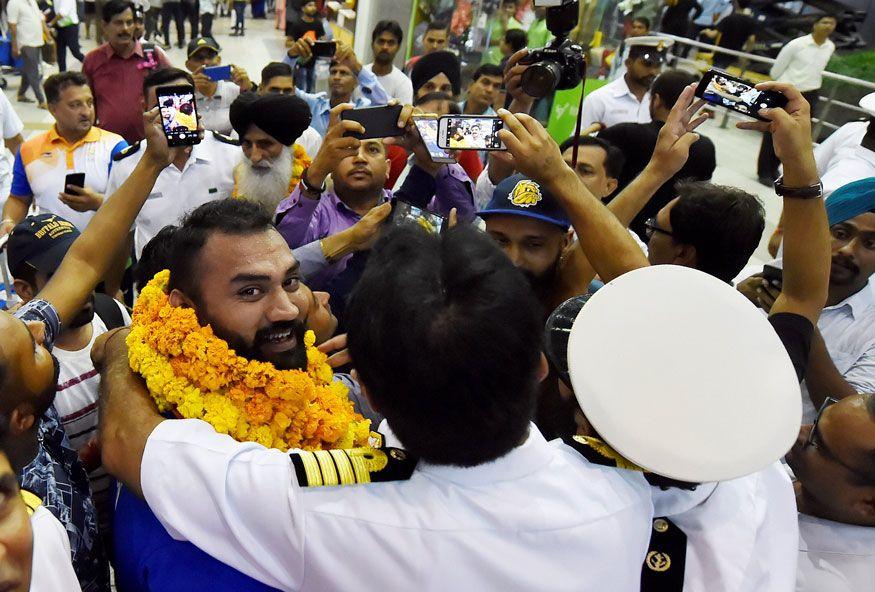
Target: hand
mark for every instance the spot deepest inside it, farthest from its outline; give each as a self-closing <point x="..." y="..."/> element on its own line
<point x="676" y="136"/>
<point x="157" y="150"/>
<point x="453" y="219"/>
<point x="346" y="55"/>
<point x="364" y="233"/>
<point x="501" y="166"/>
<point x="81" y="199"/>
<point x="535" y="153"/>
<point x="760" y="291"/>
<point x="513" y="74"/>
<point x="108" y="346"/>
<point x="791" y="134"/>
<point x="336" y="348"/>
<point x="411" y="141"/>
<point x="240" y="78"/>
<point x="335" y="147"/>
<point x="6" y="226"/>
<point x="302" y="49"/>
<point x="203" y="83"/>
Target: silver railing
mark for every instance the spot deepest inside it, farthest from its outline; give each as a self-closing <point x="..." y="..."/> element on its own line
<point x="826" y="102"/>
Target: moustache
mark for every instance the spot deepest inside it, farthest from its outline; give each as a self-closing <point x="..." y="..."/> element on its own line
<point x="846" y="263"/>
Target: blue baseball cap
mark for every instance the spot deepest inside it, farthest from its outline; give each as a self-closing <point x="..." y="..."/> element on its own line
<point x="41" y="241"/>
<point x="520" y="196"/>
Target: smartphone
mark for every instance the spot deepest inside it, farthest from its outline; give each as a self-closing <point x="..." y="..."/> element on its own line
<point x="736" y="94"/>
<point x="324" y="49"/>
<point x="407" y="213"/>
<point x="379" y="122"/>
<point x="178" y="115"/>
<point x="470" y="132"/>
<point x="428" y="131"/>
<point x="773" y="274"/>
<point x="75" y="179"/>
<point x="218" y="73"/>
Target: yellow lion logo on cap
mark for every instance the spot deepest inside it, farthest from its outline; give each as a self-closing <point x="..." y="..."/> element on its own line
<point x="525" y="194"/>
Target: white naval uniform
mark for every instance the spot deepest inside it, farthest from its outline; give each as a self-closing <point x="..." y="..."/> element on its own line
<point x="215" y="112"/>
<point x="842" y="160"/>
<point x="541" y="517"/>
<point x="614" y="103"/>
<point x="52" y="569"/>
<point x="208" y="175"/>
<point x="311" y="141"/>
<point x="741" y="534"/>
<point x="835" y="557"/>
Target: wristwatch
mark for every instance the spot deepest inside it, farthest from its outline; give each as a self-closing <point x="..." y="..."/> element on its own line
<point x="811" y="192"/>
<point x="309" y="188"/>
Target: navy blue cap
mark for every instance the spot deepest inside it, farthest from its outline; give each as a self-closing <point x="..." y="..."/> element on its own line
<point x="520" y="196"/>
<point x="40" y="241"/>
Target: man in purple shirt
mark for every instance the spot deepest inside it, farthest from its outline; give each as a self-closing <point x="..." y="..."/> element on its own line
<point x="358" y="169"/>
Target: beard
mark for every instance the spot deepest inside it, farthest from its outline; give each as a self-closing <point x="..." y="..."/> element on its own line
<point x="843" y="271"/>
<point x="542" y="282"/>
<point x="294" y="358"/>
<point x="268" y="183"/>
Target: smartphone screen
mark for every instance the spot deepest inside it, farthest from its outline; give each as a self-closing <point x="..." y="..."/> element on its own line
<point x="723" y="90"/>
<point x="75" y="179"/>
<point x="324" y="49"/>
<point x="178" y="115"/>
<point x="379" y="122"/>
<point x="406" y="213"/>
<point x="428" y="131"/>
<point x="218" y="73"/>
<point x="458" y="132"/>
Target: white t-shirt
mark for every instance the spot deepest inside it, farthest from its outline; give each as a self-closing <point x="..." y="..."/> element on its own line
<point x="11" y="127"/>
<point x="396" y="84"/>
<point x="52" y="569"/>
<point x="27" y="18"/>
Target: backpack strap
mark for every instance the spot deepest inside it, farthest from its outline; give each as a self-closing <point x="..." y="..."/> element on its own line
<point x="107" y="308"/>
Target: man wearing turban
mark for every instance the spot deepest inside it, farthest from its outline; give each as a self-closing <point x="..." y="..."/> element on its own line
<point x="272" y="164"/>
<point x="436" y="72"/>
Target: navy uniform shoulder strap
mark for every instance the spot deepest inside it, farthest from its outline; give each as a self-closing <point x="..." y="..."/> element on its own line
<point x="599" y="452"/>
<point x="225" y="139"/>
<point x="351" y="466"/>
<point x="665" y="563"/>
<point x="124" y="153"/>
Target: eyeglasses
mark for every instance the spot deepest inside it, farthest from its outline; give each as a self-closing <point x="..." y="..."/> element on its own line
<point x="812" y="434"/>
<point x="652" y="226"/>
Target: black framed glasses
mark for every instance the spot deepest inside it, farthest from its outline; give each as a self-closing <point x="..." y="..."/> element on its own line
<point x="812" y="434"/>
<point x="651" y="226"/>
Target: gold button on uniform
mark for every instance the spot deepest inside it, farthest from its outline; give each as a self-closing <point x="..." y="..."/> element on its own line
<point x="660" y="525"/>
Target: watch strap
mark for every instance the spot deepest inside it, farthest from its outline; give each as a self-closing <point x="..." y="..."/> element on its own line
<point x="811" y="192"/>
<point x="309" y="188"/>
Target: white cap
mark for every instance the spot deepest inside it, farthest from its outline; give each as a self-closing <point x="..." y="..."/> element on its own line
<point x="683" y="376"/>
<point x="868" y="103"/>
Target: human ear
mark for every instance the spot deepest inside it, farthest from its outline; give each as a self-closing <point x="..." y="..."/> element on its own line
<point x="178" y="299"/>
<point x="21" y="419"/>
<point x="23" y="289"/>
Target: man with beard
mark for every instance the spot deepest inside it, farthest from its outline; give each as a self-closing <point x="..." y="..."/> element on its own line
<point x="268" y="126"/>
<point x="35" y="251"/>
<point x="842" y="361"/>
<point x="385" y="42"/>
<point x="627" y="99"/>
<point x="73" y="144"/>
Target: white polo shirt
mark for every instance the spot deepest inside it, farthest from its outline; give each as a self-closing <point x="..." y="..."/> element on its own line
<point x="541" y="517"/>
<point x="396" y="84"/>
<point x="52" y="568"/>
<point x="207" y="175"/>
<point x="215" y="111"/>
<point x="741" y="534"/>
<point x="44" y="161"/>
<point x="802" y="62"/>
<point x="835" y="557"/>
<point x="614" y="103"/>
<point x="842" y="160"/>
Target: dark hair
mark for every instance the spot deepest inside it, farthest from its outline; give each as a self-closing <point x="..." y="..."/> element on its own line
<point x="156" y="256"/>
<point x="25" y="272"/>
<point x="273" y="70"/>
<point x="237" y="217"/>
<point x="387" y="27"/>
<point x="437" y="26"/>
<point x="834" y="16"/>
<point x="114" y="7"/>
<point x="670" y="84"/>
<point x="446" y="335"/>
<point x="724" y="224"/>
<point x="643" y="20"/>
<point x="165" y="77"/>
<point x="487" y="70"/>
<point x="438" y="96"/>
<point x="516" y="39"/>
<point x="615" y="160"/>
<point x="56" y="83"/>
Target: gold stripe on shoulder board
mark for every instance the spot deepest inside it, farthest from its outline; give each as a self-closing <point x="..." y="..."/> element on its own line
<point x="351" y="466"/>
<point x="31" y="500"/>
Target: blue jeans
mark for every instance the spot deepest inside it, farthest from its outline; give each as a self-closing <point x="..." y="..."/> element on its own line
<point x="239" y="15"/>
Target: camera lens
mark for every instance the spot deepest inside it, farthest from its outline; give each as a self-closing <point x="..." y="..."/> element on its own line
<point x="541" y="79"/>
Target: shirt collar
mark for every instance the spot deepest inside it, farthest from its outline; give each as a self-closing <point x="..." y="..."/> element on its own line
<point x="621" y="88"/>
<point x="342" y="207"/>
<point x="109" y="51"/>
<point x="54" y="137"/>
<point x="530" y="456"/>
<point x="858" y="302"/>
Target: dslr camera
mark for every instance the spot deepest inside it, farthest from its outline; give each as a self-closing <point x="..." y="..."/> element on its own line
<point x="561" y="64"/>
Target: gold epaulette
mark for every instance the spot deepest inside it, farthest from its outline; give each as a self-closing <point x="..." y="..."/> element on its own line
<point x="31" y="500"/>
<point x="351" y="466"/>
<point x="599" y="452"/>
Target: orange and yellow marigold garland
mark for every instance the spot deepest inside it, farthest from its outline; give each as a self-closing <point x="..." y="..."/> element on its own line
<point x="194" y="373"/>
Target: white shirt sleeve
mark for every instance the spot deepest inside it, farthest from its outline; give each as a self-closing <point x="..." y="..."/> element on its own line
<point x="593" y="111"/>
<point x="483" y="189"/>
<point x="239" y="502"/>
<point x="405" y="90"/>
<point x="52" y="569"/>
<point x="311" y="141"/>
<point x="784" y="58"/>
<point x="13" y="10"/>
<point x="12" y="125"/>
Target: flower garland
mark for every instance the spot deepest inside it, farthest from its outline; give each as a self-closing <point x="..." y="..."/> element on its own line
<point x="190" y="371"/>
<point x="301" y="162"/>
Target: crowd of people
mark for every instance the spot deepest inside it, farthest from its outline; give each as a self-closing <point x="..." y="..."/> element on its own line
<point x="573" y="376"/>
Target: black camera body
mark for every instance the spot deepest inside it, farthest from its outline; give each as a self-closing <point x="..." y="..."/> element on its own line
<point x="561" y="64"/>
